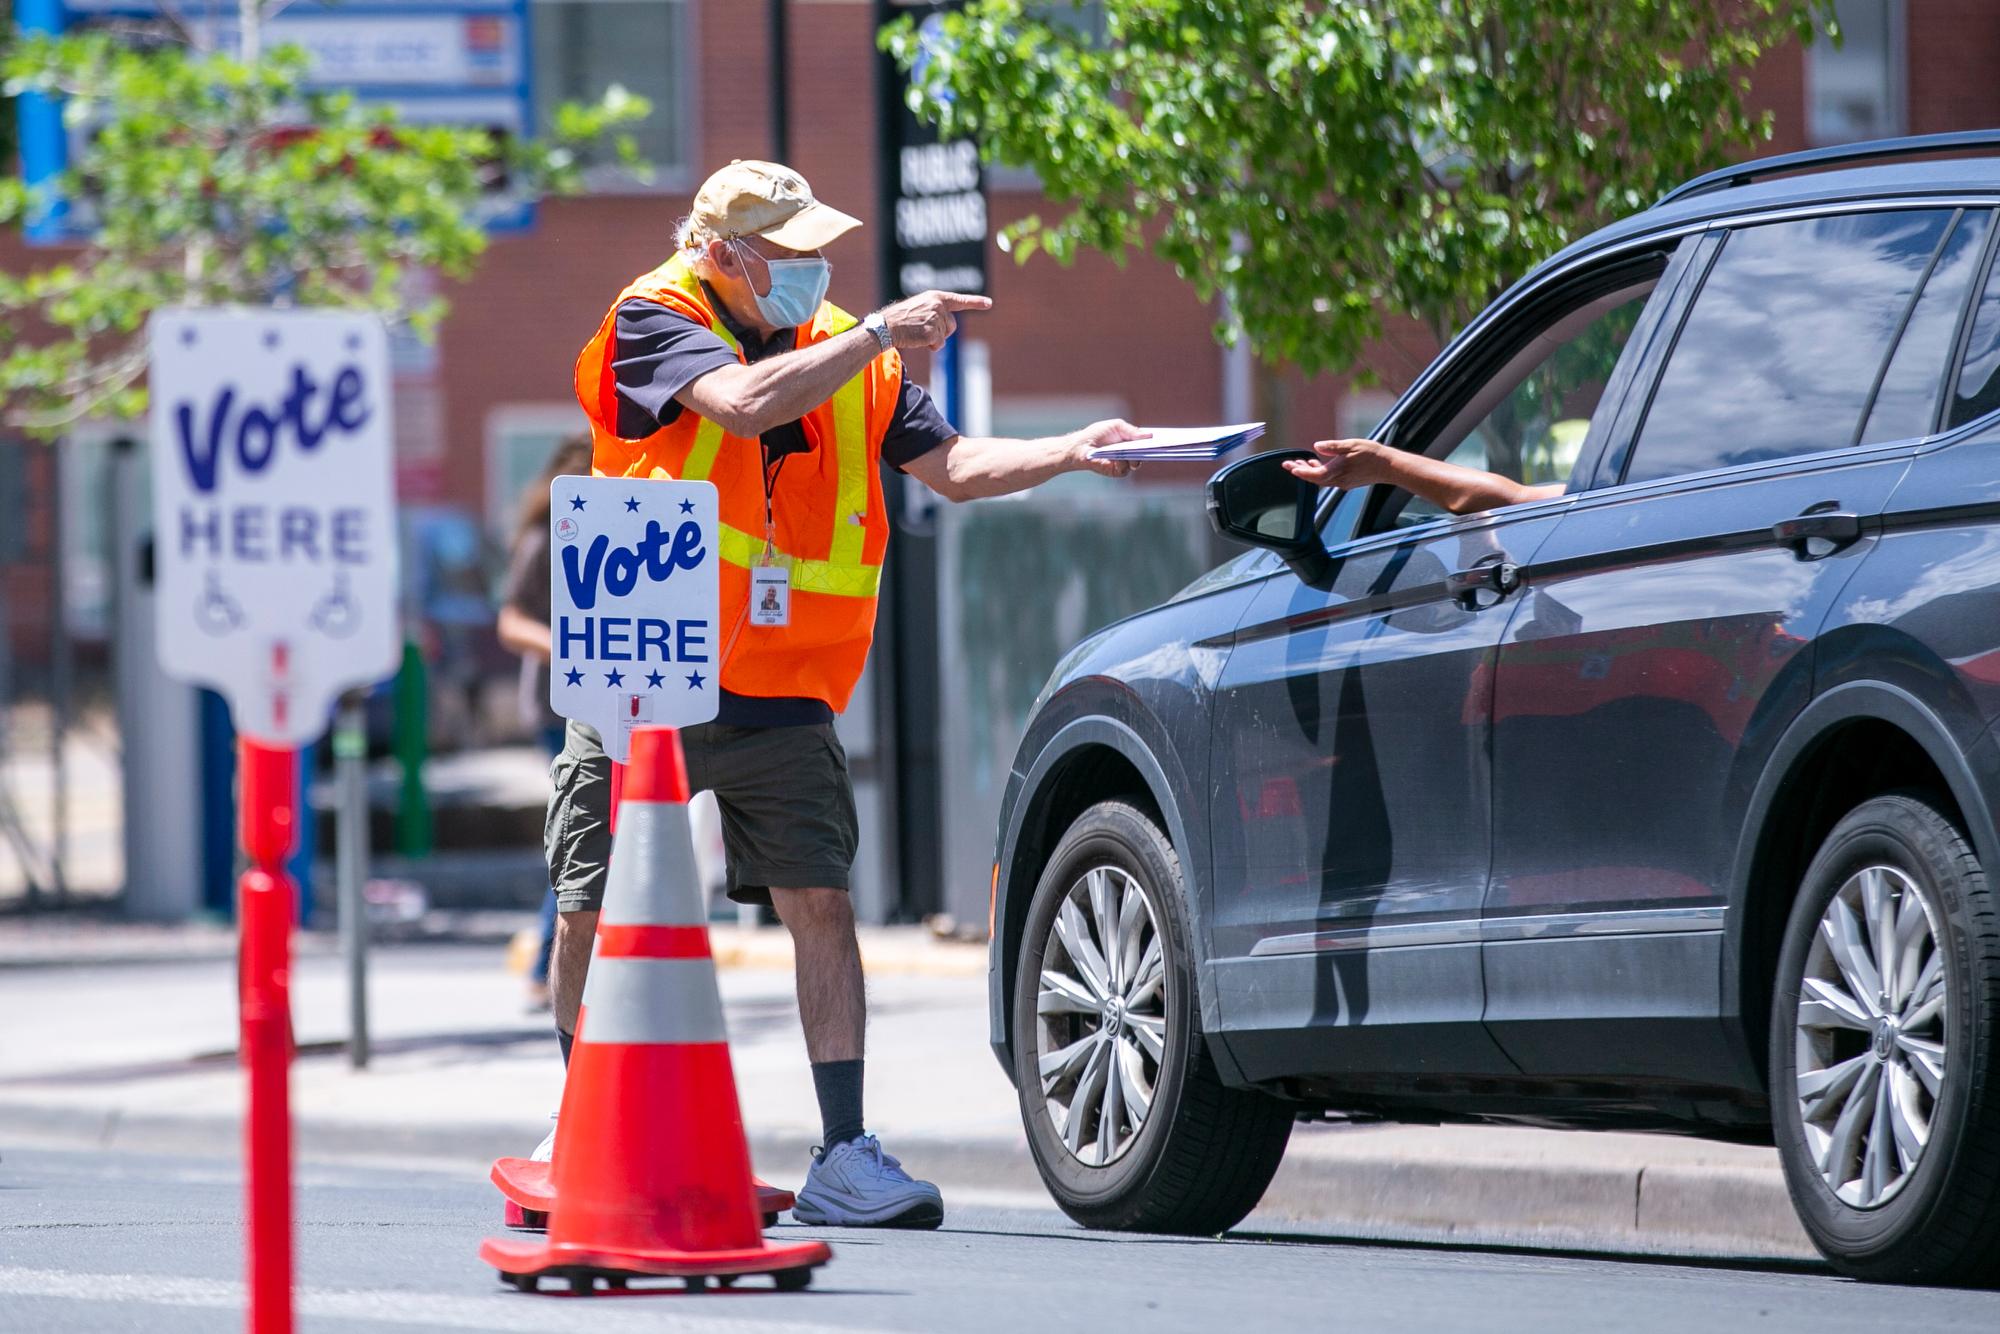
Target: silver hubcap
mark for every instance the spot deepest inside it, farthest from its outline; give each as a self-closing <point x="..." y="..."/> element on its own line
<point x="1102" y="1007"/>
<point x="1871" y="1036"/>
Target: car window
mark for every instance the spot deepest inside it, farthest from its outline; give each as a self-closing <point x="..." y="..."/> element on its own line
<point x="1546" y="398"/>
<point x="1781" y="348"/>
<point x="1906" y="403"/>
<point x="1978" y="389"/>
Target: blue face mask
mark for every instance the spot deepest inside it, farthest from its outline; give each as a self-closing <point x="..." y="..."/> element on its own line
<point x="798" y="286"/>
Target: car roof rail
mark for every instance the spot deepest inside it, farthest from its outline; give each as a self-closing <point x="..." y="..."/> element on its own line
<point x="1836" y="155"/>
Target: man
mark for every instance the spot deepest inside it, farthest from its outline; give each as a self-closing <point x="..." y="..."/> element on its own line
<point x="727" y="364"/>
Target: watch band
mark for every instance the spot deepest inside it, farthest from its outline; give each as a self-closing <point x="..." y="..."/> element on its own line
<point x="875" y="324"/>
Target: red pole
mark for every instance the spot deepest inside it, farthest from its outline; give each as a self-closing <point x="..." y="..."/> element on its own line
<point x="269" y="808"/>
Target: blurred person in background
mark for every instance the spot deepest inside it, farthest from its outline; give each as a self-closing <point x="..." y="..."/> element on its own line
<point x="523" y="628"/>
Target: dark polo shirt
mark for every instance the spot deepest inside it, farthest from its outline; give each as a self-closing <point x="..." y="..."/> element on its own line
<point x="660" y="352"/>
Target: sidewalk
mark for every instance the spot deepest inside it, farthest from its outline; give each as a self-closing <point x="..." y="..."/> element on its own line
<point x="139" y="1055"/>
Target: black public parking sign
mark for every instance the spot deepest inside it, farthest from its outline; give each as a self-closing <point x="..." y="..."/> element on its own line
<point x="934" y="191"/>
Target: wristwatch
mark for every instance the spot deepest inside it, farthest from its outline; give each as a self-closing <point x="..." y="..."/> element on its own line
<point x="875" y="324"/>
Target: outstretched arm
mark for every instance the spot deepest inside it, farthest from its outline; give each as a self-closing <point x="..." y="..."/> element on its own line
<point x="1344" y="464"/>
<point x="969" y="467"/>
<point x="747" y="401"/>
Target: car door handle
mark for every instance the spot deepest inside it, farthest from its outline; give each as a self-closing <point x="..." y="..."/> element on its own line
<point x="1498" y="578"/>
<point x="1814" y="536"/>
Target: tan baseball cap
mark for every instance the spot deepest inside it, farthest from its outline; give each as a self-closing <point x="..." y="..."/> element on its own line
<point x="748" y="198"/>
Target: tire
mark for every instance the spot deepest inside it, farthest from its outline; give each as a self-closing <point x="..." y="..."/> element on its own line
<point x="1203" y="1153"/>
<point x="1932" y="1216"/>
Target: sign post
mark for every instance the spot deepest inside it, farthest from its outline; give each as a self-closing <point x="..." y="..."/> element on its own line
<point x="934" y="189"/>
<point x="350" y="769"/>
<point x="933" y="234"/>
<point x="275" y="564"/>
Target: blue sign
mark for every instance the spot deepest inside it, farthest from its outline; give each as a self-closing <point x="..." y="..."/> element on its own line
<point x="436" y="62"/>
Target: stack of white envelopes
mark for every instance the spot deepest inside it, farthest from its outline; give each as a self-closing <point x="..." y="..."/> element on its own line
<point x="1182" y="444"/>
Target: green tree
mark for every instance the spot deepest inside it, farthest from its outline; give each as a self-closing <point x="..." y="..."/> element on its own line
<point x="216" y="179"/>
<point x="1326" y="164"/>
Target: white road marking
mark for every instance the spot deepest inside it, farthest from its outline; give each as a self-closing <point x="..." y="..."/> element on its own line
<point x="499" y="1310"/>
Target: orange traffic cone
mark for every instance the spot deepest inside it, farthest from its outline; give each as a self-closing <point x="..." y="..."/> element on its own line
<point x="651" y="1169"/>
<point x="528" y="1185"/>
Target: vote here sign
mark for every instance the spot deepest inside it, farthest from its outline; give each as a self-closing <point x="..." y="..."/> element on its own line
<point x="634" y="605"/>
<point x="274" y="521"/>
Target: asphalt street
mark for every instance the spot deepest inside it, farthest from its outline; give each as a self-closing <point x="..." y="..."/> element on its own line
<point x="126" y="1242"/>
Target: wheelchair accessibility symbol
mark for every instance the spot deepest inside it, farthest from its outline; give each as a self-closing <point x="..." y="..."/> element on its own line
<point x="215" y="611"/>
<point x="337" y="613"/>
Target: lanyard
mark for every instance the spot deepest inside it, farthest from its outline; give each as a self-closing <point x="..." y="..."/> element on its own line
<point x="770" y="474"/>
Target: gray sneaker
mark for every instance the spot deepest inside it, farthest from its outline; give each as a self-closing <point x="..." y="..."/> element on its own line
<point x="858" y="1185"/>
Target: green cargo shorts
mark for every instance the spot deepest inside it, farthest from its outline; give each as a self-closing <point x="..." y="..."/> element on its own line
<point x="786" y="799"/>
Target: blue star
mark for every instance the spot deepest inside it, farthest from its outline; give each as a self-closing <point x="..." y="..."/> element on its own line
<point x="631" y="505"/>
<point x="655" y="680"/>
<point x="189" y="337"/>
<point x="614" y="677"/>
<point x="354" y="342"/>
<point x="687" y="507"/>
<point x="573" y="676"/>
<point x="576" y="502"/>
<point x="694" y="680"/>
<point x="271" y="338"/>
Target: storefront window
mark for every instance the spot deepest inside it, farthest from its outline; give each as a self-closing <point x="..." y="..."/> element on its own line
<point x="583" y="47"/>
<point x="1855" y="90"/>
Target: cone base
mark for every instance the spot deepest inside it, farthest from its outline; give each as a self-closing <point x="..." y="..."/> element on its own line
<point x="532" y="1259"/>
<point x="530" y="1189"/>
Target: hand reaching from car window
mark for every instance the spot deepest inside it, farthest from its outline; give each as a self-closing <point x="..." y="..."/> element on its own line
<point x="1346" y="464"/>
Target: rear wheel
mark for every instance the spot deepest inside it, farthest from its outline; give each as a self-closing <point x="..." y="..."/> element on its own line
<point x="1130" y="1125"/>
<point x="1885" y="1049"/>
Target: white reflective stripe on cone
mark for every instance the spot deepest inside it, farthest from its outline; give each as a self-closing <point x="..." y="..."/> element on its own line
<point x="652" y="879"/>
<point x="651" y="1000"/>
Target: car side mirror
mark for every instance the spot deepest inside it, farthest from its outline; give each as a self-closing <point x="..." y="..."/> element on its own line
<point x="1257" y="502"/>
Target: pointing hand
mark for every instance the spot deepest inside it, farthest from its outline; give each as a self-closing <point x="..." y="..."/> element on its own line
<point x="928" y="318"/>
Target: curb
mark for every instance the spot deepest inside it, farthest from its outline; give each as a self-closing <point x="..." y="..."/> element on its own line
<point x="1711" y="1212"/>
<point x="1649" y="1210"/>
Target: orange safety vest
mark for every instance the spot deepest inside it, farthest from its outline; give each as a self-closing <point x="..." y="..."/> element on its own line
<point x="830" y="525"/>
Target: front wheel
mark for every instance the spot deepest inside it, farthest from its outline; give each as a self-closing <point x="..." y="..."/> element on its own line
<point x="1130" y="1125"/>
<point x="1885" y="1049"/>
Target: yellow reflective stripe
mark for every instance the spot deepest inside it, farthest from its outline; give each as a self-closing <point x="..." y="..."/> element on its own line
<point x="834" y="320"/>
<point x="708" y="436"/>
<point x="814" y="576"/>
<point x="738" y="547"/>
<point x="850" y="443"/>
<point x="701" y="459"/>
<point x="846" y="581"/>
<point x="680" y="275"/>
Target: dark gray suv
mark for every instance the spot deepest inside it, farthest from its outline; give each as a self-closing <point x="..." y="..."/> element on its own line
<point x="1665" y="804"/>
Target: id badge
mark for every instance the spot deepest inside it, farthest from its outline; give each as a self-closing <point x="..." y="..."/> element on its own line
<point x="770" y="595"/>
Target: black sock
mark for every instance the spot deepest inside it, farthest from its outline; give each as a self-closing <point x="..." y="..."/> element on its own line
<point x="564" y="1039"/>
<point x="838" y="1084"/>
